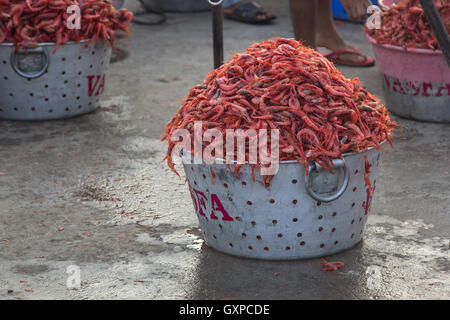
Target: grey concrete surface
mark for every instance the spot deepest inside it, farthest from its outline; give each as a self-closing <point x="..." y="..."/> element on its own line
<point x="129" y="223"/>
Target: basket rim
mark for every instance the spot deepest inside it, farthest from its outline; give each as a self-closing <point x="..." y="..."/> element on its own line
<point x="404" y="50"/>
<point x="347" y="154"/>
<point x="45" y="44"/>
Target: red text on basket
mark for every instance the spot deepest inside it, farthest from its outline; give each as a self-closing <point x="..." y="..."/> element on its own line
<point x="424" y="89"/>
<point x="368" y="200"/>
<point x="96" y="84"/>
<point x="200" y="201"/>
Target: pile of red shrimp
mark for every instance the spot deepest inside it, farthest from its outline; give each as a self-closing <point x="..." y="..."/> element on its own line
<point x="280" y="84"/>
<point x="406" y="25"/>
<point x="28" y="22"/>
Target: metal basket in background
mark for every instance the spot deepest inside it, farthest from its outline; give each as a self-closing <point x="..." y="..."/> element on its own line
<point x="299" y="216"/>
<point x="37" y="84"/>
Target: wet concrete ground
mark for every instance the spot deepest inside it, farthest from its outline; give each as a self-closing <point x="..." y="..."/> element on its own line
<point x="92" y="192"/>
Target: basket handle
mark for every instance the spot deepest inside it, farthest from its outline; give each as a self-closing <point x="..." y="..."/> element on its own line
<point x="337" y="163"/>
<point x="27" y="75"/>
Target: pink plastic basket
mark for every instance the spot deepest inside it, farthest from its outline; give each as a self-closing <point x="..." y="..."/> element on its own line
<point x="411" y="64"/>
<point x="416" y="81"/>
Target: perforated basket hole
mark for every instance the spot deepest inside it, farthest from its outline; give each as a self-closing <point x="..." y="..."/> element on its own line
<point x="258" y="237"/>
<point x="353" y="221"/>
<point x="352" y="236"/>
<point x="302" y="243"/>
<point x="250" y="248"/>
<point x="204" y="176"/>
<point x="220" y="226"/>
<point x="288" y="248"/>
<point x="214" y="236"/>
<point x="11" y="94"/>
<point x="280" y="235"/>
<point x="67" y="109"/>
<point x="237" y="218"/>
<point x="4" y="62"/>
<point x="333" y="230"/>
<point x="294" y="201"/>
<point x="244" y="183"/>
<point x="63" y="72"/>
<point x="356" y="172"/>
<point x="294" y="181"/>
<point x="294" y="220"/>
<point x="320" y="229"/>
<point x="272" y="201"/>
<point x="336" y="242"/>
<point x="266" y="248"/>
<point x="322" y="245"/>
<point x="50" y="110"/>
<point x="353" y="204"/>
<point x="225" y="185"/>
<point x="46" y="86"/>
<point x="334" y="214"/>
<point x="360" y="219"/>
<point x="244" y="235"/>
<point x="253" y="223"/>
<point x="230" y="244"/>
<point x="299" y="234"/>
<point x="354" y="189"/>
<point x="15" y="109"/>
<point x="319" y="203"/>
<point x="230" y="199"/>
<point x="5" y="77"/>
<point x="320" y="217"/>
<point x="274" y="222"/>
<point x="249" y="203"/>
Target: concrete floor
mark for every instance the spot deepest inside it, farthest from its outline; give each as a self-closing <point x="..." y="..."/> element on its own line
<point x="129" y="223"/>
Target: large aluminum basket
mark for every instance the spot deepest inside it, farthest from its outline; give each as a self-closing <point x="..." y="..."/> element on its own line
<point x="37" y="84"/>
<point x="299" y="216"/>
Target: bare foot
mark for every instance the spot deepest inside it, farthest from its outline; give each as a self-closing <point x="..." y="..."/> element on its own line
<point x="259" y="16"/>
<point x="337" y="43"/>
